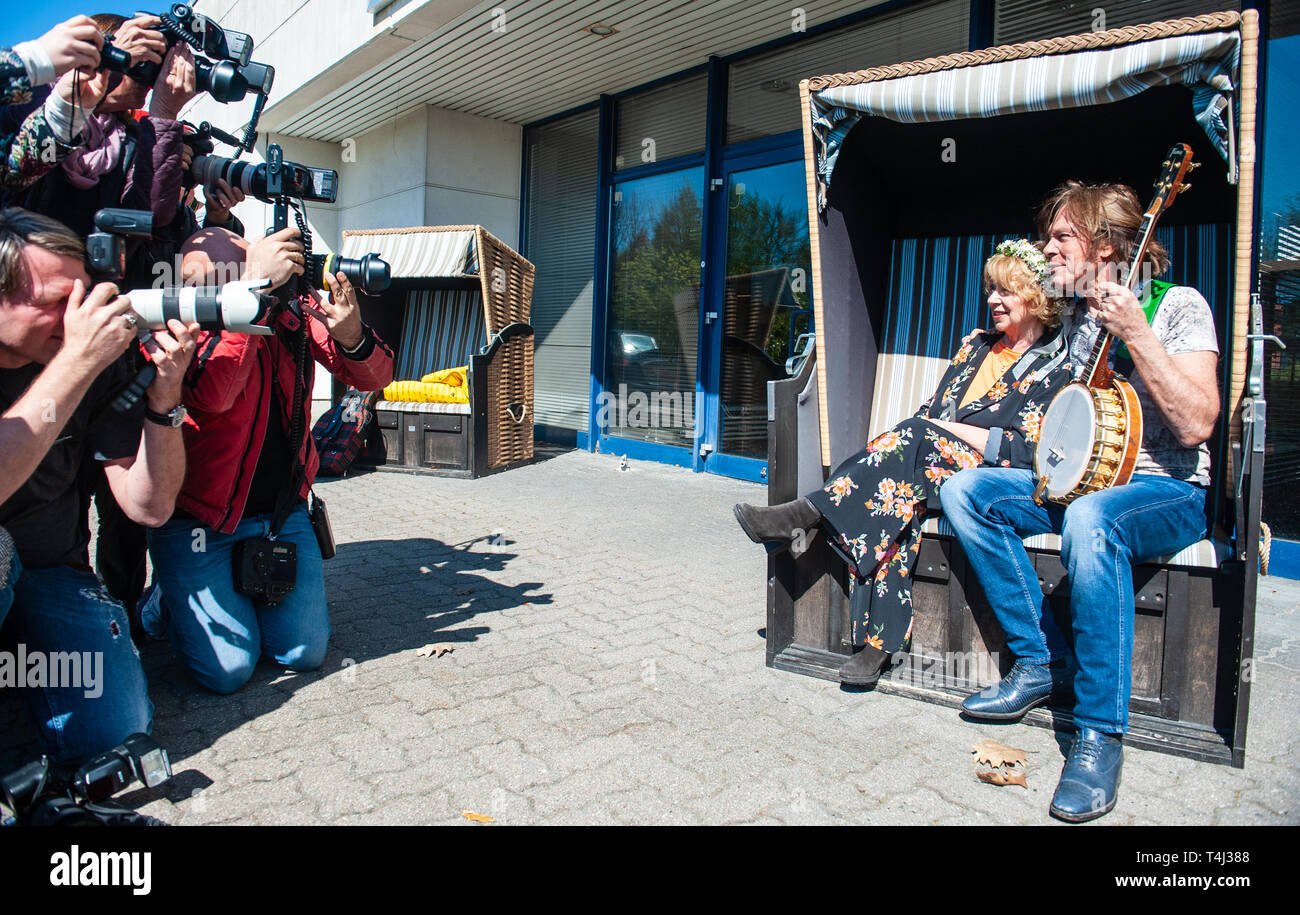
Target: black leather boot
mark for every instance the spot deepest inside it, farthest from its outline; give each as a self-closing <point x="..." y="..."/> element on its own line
<point x="789" y="523"/>
<point x="865" y="667"/>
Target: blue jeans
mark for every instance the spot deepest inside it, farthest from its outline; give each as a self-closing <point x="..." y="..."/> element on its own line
<point x="218" y="633"/>
<point x="91" y="692"/>
<point x="1102" y="536"/>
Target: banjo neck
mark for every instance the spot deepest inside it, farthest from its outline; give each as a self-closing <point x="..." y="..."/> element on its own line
<point x="1097" y="372"/>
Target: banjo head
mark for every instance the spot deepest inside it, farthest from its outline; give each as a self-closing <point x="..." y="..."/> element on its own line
<point x="1066" y="441"/>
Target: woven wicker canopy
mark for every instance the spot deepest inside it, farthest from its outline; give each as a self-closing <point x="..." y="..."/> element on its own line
<point x="451" y="252"/>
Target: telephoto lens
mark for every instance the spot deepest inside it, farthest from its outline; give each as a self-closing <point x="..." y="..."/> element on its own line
<point x="236" y="306"/>
<point x="320" y="185"/>
<point x="249" y="178"/>
<point x="369" y="273"/>
<point x="227" y="82"/>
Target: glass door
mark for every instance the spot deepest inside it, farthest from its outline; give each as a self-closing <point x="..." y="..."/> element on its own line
<point x="759" y="306"/>
<point x="648" y="395"/>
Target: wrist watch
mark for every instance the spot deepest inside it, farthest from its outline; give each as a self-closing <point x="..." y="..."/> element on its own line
<point x="172" y="419"/>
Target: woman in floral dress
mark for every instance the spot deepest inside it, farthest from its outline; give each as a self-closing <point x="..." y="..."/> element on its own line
<point x="986" y="410"/>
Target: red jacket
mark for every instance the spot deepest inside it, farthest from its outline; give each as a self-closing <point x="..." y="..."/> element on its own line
<point x="228" y="395"/>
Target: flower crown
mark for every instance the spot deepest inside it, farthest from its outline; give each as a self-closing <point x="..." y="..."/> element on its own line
<point x="1023" y="250"/>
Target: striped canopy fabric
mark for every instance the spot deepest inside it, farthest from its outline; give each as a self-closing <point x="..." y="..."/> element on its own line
<point x="1206" y="62"/>
<point x="441" y="329"/>
<point x="418" y="254"/>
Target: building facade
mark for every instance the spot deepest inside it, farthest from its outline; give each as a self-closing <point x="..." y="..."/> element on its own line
<point x="646" y="155"/>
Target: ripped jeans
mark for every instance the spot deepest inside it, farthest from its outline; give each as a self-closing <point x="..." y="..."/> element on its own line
<point x="68" y="644"/>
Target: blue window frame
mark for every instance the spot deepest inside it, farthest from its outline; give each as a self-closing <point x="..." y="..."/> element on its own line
<point x="718" y="160"/>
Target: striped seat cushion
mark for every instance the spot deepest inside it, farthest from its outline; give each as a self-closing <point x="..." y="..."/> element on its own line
<point x="936" y="297"/>
<point x="406" y="406"/>
<point x="1204" y="554"/>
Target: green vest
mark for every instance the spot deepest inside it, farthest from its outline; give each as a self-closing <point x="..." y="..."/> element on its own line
<point x="1155" y="294"/>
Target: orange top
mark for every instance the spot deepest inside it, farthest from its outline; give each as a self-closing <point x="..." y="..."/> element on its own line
<point x="995" y="364"/>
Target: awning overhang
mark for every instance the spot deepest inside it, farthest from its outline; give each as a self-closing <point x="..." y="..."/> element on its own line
<point x="1037" y="76"/>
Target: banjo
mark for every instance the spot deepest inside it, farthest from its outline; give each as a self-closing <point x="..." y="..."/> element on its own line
<point x="1092" y="429"/>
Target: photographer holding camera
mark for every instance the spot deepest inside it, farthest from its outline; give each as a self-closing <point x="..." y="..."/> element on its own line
<point x="129" y="158"/>
<point x="60" y="372"/>
<point x="251" y="466"/>
<point x="36" y="137"/>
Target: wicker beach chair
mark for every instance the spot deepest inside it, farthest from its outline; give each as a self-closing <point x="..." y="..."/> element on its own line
<point x="460" y="296"/>
<point x="915" y="171"/>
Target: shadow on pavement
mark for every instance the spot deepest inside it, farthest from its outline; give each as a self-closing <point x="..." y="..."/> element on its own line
<point x="386" y="597"/>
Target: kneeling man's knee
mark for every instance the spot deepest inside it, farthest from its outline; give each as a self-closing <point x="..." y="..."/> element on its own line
<point x="230" y="677"/>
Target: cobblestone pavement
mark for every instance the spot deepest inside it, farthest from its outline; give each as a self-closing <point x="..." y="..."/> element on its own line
<point x="609" y="668"/>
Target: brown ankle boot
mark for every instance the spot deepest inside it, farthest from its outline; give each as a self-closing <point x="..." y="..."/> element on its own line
<point x="864" y="668"/>
<point x="779" y="525"/>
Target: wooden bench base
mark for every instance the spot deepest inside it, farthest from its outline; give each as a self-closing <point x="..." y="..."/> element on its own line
<point x="1185" y="657"/>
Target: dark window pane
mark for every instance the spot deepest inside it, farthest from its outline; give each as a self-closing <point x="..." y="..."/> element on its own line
<point x="662" y="123"/>
<point x="654" y="309"/>
<point x="1029" y="20"/>
<point x="765" y="298"/>
<point x="561" y="222"/>
<point x="1279" y="277"/>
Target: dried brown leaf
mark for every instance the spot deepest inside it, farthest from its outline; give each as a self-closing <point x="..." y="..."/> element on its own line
<point x="435" y="650"/>
<point x="1002" y="776"/>
<point x="476" y="817"/>
<point x="996" y="754"/>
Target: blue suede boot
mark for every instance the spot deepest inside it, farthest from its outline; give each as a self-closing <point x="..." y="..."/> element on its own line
<point x="1089" y="782"/>
<point x="1026" y="686"/>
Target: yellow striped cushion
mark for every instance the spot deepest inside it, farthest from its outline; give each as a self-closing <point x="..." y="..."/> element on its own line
<point x="426" y="392"/>
<point x="454" y="377"/>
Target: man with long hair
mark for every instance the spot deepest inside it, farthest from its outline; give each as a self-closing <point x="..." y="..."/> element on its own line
<point x="1089" y="232"/>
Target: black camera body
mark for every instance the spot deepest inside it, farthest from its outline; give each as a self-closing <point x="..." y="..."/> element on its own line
<point x="304" y="182"/>
<point x="182" y="24"/>
<point x="37" y="794"/>
<point x="265" y="570"/>
<point x="277" y="182"/>
<point x="105" y="247"/>
<point x="226" y="72"/>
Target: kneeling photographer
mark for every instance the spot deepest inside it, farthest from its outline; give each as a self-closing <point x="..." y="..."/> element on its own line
<point x="239" y="565"/>
<point x="61" y="376"/>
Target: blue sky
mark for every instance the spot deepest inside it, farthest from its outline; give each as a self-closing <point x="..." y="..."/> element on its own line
<point x="1282" y="124"/>
<point x="23" y="21"/>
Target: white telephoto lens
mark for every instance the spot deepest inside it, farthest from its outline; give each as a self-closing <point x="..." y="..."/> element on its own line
<point x="234" y="307"/>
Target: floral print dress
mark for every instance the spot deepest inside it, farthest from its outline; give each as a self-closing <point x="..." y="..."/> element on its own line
<point x="874" y="503"/>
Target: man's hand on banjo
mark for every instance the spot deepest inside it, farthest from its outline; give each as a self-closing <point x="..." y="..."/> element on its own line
<point x="1183" y="387"/>
<point x="1117" y="308"/>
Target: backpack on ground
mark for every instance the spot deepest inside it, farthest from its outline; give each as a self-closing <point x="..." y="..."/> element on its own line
<point x="340" y="433"/>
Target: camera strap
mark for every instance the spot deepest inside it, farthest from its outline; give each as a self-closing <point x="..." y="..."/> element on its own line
<point x="297" y="420"/>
